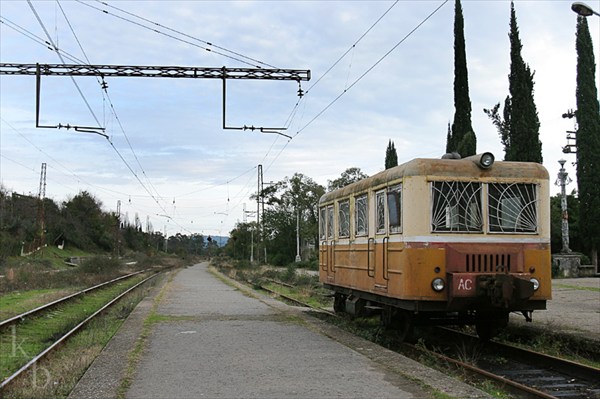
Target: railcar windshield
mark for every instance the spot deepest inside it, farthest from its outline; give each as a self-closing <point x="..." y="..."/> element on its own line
<point x="513" y="208"/>
<point x="456" y="207"/>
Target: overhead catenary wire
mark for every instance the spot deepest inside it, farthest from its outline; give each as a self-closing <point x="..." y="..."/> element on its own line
<point x="370" y="68"/>
<point x="236" y="57"/>
<point x="104" y="89"/>
<point x="271" y="157"/>
<point x="55" y="48"/>
<point x="186" y="35"/>
<point x="352" y="47"/>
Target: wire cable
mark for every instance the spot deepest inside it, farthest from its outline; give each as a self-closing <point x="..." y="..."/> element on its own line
<point x="55" y="48"/>
<point x="104" y="89"/>
<point x="370" y="68"/>
<point x="169" y="35"/>
<point x="186" y="35"/>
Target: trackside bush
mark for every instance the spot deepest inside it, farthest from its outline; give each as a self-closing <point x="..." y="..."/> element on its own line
<point x="100" y="265"/>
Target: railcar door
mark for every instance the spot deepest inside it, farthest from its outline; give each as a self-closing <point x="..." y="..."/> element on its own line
<point x="327" y="249"/>
<point x="380" y="243"/>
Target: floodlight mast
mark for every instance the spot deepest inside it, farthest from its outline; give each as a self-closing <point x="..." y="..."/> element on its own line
<point x="131" y="71"/>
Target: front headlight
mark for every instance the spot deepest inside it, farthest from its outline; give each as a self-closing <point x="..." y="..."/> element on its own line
<point x="438" y="284"/>
<point x="536" y="283"/>
<point x="486" y="160"/>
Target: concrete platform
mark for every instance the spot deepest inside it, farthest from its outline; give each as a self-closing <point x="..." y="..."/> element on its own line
<point x="573" y="310"/>
<point x="214" y="340"/>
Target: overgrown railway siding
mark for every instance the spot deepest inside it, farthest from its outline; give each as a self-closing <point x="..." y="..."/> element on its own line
<point x="25" y="340"/>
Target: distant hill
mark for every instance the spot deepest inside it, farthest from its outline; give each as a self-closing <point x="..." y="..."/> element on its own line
<point x="220" y="240"/>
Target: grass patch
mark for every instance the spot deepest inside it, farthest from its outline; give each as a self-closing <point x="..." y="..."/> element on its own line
<point x="57" y="374"/>
<point x="28" y="338"/>
<point x="569" y="347"/>
<point x="574" y="287"/>
<point x="22" y="301"/>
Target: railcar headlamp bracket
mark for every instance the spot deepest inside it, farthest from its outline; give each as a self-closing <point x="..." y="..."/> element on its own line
<point x="484" y="160"/>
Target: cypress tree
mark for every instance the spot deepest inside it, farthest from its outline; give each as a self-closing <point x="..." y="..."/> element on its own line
<point x="461" y="127"/>
<point x="391" y="157"/>
<point x="502" y="123"/>
<point x="588" y="139"/>
<point x="524" y="124"/>
<point x="449" y="145"/>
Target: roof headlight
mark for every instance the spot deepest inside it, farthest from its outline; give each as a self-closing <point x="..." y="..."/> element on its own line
<point x="486" y="160"/>
<point x="438" y="284"/>
<point x="536" y="283"/>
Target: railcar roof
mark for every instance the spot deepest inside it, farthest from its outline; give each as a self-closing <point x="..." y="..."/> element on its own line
<point x="443" y="168"/>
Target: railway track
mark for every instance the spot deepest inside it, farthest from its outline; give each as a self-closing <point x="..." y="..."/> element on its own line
<point x="31" y="313"/>
<point x="294" y="300"/>
<point x="524" y="373"/>
<point x="50" y="310"/>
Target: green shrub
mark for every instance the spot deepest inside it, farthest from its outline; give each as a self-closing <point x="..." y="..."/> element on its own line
<point x="289" y="275"/>
<point x="244" y="264"/>
<point x="312" y="264"/>
<point x="100" y="265"/>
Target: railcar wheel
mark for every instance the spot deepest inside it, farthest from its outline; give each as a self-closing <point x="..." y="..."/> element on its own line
<point x="489" y="325"/>
<point x="339" y="303"/>
<point x="399" y="321"/>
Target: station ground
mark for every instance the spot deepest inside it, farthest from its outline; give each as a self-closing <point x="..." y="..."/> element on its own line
<point x="215" y="340"/>
<point x="210" y="339"/>
<point x="573" y="310"/>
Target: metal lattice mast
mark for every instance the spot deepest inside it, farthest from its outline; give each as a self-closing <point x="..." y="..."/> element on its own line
<point x="153" y="71"/>
<point x="40" y="210"/>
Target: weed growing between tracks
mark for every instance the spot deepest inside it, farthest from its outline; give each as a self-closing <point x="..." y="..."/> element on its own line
<point x="295" y="282"/>
<point x="56" y="375"/>
<point x="552" y="343"/>
<point x="21" y="301"/>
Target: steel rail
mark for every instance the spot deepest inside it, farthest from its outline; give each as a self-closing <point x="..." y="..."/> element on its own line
<point x="14" y="319"/>
<point x="294" y="300"/>
<point x="531" y="392"/>
<point x="71" y="332"/>
<point x="550" y="363"/>
<point x="565" y="366"/>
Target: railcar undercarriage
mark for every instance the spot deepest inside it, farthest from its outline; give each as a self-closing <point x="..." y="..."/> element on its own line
<point x="488" y="311"/>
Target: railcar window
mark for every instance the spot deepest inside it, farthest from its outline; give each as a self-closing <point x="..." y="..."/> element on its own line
<point x="512" y="208"/>
<point x="344" y="218"/>
<point x="323" y="223"/>
<point x="330" y="222"/>
<point x="380" y="211"/>
<point x="361" y="220"/>
<point x="456" y="207"/>
<point x="394" y="199"/>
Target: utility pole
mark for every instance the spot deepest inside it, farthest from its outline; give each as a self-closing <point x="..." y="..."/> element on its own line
<point x="298" y="258"/>
<point x="117" y="229"/>
<point x="562" y="181"/>
<point x="40" y="211"/>
<point x="245" y="218"/>
<point x="259" y="199"/>
<point x="166" y="239"/>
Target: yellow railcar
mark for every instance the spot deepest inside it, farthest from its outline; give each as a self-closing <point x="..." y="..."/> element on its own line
<point x="443" y="241"/>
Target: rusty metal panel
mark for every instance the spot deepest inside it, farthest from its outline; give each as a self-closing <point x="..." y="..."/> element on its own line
<point x="462" y="285"/>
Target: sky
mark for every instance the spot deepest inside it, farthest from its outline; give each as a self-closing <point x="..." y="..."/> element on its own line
<point x="380" y="71"/>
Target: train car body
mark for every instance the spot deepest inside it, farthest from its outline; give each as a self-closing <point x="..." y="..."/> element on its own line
<point x="455" y="241"/>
